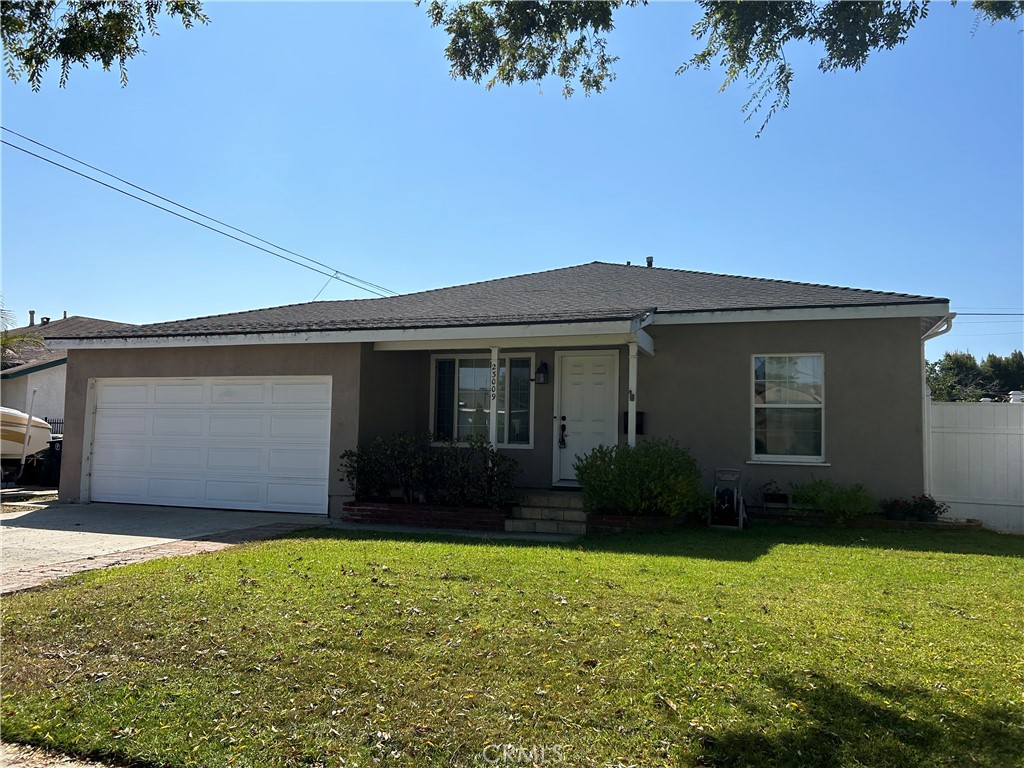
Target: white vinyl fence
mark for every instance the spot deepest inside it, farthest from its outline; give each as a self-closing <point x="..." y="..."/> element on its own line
<point x="976" y="458"/>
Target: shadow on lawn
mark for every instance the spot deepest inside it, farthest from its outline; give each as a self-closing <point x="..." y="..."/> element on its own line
<point x="723" y="545"/>
<point x="752" y="543"/>
<point x="896" y="727"/>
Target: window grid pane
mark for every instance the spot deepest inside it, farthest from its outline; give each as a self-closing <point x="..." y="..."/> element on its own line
<point x="474" y="391"/>
<point x="444" y="400"/>
<point x="462" y="399"/>
<point x="788" y="397"/>
<point x="519" y="402"/>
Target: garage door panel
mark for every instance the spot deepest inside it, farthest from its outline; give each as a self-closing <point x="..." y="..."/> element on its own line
<point x="305" y="394"/>
<point x="121" y="487"/>
<point x="233" y="394"/>
<point x="170" y="457"/>
<point x="292" y="459"/>
<point x="237" y="426"/>
<point x="177" y="425"/>
<point x="237" y="491"/>
<point x="186" y="489"/>
<point x="118" y="425"/>
<point x="295" y="495"/>
<point x="123" y="394"/>
<point x="245" y="443"/>
<point x="178" y="393"/>
<point x="231" y="458"/>
<point x="131" y="456"/>
<point x="298" y="426"/>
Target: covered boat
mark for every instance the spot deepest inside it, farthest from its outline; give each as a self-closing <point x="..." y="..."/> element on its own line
<point x="13" y="426"/>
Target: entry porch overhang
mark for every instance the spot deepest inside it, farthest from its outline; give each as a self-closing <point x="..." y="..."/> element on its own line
<point x="581" y="335"/>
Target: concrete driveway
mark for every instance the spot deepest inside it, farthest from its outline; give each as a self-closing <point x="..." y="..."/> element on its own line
<point x="58" y="539"/>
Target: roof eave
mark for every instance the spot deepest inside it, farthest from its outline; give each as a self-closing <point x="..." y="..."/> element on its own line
<point x="823" y="312"/>
<point x="438" y="335"/>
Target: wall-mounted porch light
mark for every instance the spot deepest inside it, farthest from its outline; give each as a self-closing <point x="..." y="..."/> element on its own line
<point x="541" y="376"/>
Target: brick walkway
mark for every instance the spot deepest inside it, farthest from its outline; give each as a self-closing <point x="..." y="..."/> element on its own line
<point x="34" y="577"/>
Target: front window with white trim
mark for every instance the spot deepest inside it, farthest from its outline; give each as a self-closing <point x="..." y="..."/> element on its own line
<point x="460" y="403"/>
<point x="789" y="408"/>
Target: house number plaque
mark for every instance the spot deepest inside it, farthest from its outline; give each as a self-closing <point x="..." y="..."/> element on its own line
<point x="494" y="380"/>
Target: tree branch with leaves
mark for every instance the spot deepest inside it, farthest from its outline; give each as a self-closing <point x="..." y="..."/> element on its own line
<point x="81" y="32"/>
<point x="513" y="42"/>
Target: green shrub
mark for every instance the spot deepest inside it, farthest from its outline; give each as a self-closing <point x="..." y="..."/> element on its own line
<point x="656" y="477"/>
<point x="391" y="463"/>
<point x="471" y="474"/>
<point x="923" y="507"/>
<point x="450" y="473"/>
<point x="364" y="471"/>
<point x="834" y="500"/>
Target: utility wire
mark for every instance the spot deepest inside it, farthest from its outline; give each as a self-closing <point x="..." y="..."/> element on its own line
<point x="378" y="289"/>
<point x="187" y="218"/>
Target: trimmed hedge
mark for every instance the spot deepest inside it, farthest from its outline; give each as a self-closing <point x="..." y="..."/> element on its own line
<point x="422" y="470"/>
<point x="655" y="477"/>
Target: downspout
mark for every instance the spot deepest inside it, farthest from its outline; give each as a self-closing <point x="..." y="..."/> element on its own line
<point x="944" y="326"/>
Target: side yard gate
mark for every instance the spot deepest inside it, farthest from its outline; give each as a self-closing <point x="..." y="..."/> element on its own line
<point x="976" y="461"/>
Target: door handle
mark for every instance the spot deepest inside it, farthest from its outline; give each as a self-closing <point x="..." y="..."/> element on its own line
<point x="561" y="437"/>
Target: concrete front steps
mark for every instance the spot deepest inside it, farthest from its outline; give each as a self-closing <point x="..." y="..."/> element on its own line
<point x="549" y="512"/>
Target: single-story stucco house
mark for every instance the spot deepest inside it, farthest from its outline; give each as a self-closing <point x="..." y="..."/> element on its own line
<point x="251" y="410"/>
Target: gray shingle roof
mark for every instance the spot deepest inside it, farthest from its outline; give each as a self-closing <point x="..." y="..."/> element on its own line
<point x="75" y="326"/>
<point x="595" y="291"/>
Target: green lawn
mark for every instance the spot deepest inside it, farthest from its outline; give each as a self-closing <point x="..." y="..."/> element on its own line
<point x="773" y="647"/>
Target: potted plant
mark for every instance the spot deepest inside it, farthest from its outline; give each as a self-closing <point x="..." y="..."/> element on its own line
<point x="895" y="509"/>
<point x="928" y="509"/>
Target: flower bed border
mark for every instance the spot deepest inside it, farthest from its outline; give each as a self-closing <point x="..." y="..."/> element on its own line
<point x="424" y="515"/>
<point x="773" y="515"/>
<point x="604" y="522"/>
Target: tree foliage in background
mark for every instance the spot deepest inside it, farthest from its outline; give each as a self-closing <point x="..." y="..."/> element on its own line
<point x="515" y="42"/>
<point x="14" y="345"/>
<point x="512" y="41"/>
<point x="68" y="32"/>
<point x="959" y="376"/>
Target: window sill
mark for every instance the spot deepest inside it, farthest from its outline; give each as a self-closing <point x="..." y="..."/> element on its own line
<point x="791" y="463"/>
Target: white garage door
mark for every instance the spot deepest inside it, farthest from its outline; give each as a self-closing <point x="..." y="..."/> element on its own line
<point x="225" y="443"/>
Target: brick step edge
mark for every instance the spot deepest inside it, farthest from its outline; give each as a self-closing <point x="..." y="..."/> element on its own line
<point x="513" y="525"/>
<point x="525" y="512"/>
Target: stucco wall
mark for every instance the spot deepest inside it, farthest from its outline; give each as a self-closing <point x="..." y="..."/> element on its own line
<point x="697" y="389"/>
<point x="395" y="389"/>
<point x="49" y="386"/>
<point x="12" y="393"/>
<point x="340" y="361"/>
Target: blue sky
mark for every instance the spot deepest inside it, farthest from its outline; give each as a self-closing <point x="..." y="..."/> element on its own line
<point x="335" y="130"/>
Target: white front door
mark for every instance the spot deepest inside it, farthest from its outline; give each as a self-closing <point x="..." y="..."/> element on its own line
<point x="586" y="406"/>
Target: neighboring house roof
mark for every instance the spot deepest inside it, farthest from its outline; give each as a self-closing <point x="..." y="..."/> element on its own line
<point x="589" y="292"/>
<point x="75" y="326"/>
<point x="32" y="359"/>
<point x="41" y="360"/>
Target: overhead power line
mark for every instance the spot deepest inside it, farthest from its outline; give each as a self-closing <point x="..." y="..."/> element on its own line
<point x="335" y="274"/>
